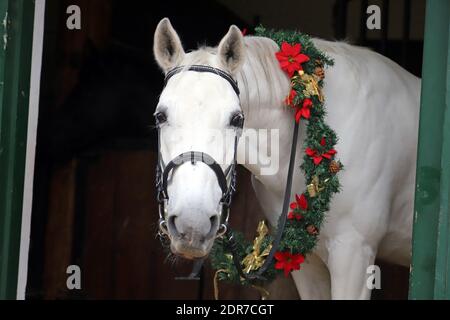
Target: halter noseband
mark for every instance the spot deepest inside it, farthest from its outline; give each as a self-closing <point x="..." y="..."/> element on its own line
<point x="163" y="171"/>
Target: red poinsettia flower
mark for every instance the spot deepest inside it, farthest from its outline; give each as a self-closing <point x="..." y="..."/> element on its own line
<point x="287" y="261"/>
<point x="300" y="203"/>
<point x="317" y="157"/>
<point x="290" y="98"/>
<point x="304" y="111"/>
<point x="290" y="58"/>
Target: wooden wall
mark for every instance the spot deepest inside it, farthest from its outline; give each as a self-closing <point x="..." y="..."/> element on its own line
<point x="116" y="245"/>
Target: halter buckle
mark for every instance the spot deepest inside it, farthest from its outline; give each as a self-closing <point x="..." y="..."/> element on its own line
<point x="161" y="196"/>
<point x="163" y="231"/>
<point x="222" y="230"/>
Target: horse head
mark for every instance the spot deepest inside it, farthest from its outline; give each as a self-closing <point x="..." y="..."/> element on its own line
<point x="199" y="118"/>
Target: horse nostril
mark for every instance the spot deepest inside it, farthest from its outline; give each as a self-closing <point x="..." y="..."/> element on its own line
<point x="173" y="228"/>
<point x="214" y="222"/>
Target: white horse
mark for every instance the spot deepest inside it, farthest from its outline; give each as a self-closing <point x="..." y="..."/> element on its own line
<point x="373" y="105"/>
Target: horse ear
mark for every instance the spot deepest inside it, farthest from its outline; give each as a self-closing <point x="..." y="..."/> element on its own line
<point x="167" y="46"/>
<point x="231" y="50"/>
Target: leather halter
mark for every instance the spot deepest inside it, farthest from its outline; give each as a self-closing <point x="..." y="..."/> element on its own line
<point x="163" y="171"/>
<point x="223" y="177"/>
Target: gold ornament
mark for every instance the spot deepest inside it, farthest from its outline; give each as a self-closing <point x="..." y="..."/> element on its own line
<point x="255" y="259"/>
<point x="216" y="282"/>
<point x="315" y="187"/>
<point x="311" y="83"/>
<point x="263" y="292"/>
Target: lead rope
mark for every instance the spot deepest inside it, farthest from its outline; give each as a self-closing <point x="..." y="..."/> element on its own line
<point x="281" y="222"/>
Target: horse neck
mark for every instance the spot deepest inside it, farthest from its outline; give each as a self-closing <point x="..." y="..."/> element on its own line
<point x="264" y="87"/>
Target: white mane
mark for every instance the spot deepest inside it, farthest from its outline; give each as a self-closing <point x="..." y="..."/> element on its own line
<point x="261" y="70"/>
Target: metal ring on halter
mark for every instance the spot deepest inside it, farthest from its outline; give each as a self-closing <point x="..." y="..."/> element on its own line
<point x="163" y="227"/>
<point x="222" y="230"/>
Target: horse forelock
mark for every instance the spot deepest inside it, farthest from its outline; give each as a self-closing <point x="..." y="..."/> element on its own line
<point x="260" y="75"/>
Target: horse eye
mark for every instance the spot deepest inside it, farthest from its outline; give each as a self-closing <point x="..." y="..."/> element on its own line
<point x="237" y="120"/>
<point x="160" y="118"/>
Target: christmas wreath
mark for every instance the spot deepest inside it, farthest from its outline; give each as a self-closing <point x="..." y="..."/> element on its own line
<point x="304" y="64"/>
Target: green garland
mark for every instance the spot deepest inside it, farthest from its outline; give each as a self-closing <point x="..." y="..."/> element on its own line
<point x="319" y="166"/>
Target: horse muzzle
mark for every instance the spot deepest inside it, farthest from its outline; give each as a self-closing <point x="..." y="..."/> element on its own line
<point x="192" y="238"/>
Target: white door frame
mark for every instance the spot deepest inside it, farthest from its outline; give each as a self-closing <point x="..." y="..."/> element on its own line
<point x="35" y="79"/>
